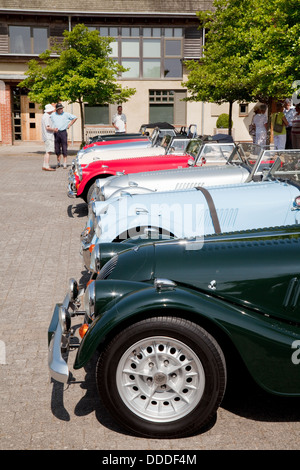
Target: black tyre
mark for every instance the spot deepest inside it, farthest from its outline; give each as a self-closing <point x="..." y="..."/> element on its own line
<point x="163" y="377"/>
<point x="90" y="192"/>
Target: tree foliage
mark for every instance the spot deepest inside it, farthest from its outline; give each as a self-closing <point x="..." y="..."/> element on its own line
<point x="251" y="53"/>
<point x="78" y="70"/>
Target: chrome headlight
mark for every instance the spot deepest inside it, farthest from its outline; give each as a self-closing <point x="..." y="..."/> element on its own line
<point x="95" y="264"/>
<point x="85" y="233"/>
<point x="296" y="203"/>
<point x="89" y="300"/>
<point x="73" y="289"/>
<point x="93" y="218"/>
<point x="79" y="170"/>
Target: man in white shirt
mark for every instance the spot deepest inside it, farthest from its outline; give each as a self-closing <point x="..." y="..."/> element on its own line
<point x="119" y="121"/>
<point x="48" y="135"/>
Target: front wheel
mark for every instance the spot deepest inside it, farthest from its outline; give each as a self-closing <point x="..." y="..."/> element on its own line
<point x="162" y="377"/>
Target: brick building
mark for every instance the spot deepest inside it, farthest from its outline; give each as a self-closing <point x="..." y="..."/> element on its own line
<point x="151" y="39"/>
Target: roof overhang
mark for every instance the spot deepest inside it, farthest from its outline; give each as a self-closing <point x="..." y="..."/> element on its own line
<point x="118" y="14"/>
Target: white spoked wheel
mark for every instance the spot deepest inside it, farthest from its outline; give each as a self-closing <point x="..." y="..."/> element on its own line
<point x="162" y="377"/>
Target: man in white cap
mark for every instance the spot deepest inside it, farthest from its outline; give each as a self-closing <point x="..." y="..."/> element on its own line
<point x="48" y="136"/>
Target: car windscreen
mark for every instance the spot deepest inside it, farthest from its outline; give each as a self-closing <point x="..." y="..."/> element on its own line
<point x="247" y="152"/>
<point x="212" y="153"/>
<point x="286" y="164"/>
<point x="178" y="146"/>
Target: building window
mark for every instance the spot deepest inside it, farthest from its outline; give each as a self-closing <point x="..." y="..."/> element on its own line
<point x="243" y="109"/>
<point x="168" y="106"/>
<point x="27" y="40"/>
<point x="96" y="115"/>
<point x="161" y="96"/>
<point x="161" y="106"/>
<point x="150" y="53"/>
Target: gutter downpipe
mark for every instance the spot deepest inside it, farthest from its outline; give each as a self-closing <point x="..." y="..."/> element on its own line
<point x="72" y="130"/>
<point x="202" y="113"/>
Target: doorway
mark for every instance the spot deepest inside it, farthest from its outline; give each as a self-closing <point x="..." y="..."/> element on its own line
<point x="26" y="117"/>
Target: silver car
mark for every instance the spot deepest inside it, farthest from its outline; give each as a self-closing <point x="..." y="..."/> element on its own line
<point x="203" y="155"/>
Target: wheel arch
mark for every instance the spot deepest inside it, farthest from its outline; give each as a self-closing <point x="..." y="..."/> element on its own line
<point x="134" y="230"/>
<point x="91" y="181"/>
<point x="143" y="311"/>
<point x="229" y="349"/>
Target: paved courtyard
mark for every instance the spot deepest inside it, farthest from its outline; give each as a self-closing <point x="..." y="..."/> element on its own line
<point x="39" y="240"/>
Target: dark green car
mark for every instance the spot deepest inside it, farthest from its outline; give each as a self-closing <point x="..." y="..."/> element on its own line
<point x="169" y="319"/>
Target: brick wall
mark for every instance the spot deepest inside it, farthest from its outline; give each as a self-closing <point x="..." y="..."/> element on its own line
<point x="5" y="114"/>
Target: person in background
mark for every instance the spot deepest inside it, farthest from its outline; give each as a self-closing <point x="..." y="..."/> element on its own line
<point x="289" y="112"/>
<point x="296" y="128"/>
<point x="48" y="135"/>
<point x="119" y="121"/>
<point x="62" y="121"/>
<point x="260" y="120"/>
<point x="278" y="118"/>
<point x="252" y="130"/>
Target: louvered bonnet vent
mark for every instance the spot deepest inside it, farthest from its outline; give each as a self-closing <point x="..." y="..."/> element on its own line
<point x="108" y="268"/>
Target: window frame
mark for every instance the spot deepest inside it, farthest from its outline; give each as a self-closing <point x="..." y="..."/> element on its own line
<point x="146" y="33"/>
<point x="31" y="38"/>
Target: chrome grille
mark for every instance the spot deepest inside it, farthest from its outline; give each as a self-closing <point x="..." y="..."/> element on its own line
<point x="108" y="268"/>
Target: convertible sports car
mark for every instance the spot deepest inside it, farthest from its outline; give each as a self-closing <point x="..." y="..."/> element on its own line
<point x="179" y="152"/>
<point x="149" y="144"/>
<point x="200" y="211"/>
<point x="112" y="138"/>
<point x="246" y="163"/>
<point x="168" y="320"/>
<point x="219" y="164"/>
<point x="116" y="143"/>
<point x="145" y="130"/>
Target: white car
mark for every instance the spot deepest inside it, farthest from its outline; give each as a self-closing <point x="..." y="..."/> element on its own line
<point x="214" y="164"/>
<point x="201" y="210"/>
<point x="154" y="145"/>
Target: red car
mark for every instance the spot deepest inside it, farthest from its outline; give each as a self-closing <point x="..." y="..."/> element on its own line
<point x="81" y="182"/>
<point x="180" y="152"/>
<point x="120" y="140"/>
<point x="84" y="187"/>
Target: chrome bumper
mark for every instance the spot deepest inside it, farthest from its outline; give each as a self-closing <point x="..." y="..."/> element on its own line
<point x="58" y="340"/>
<point x="86" y="255"/>
<point x="86" y="239"/>
<point x="72" y="191"/>
<point x="60" y="332"/>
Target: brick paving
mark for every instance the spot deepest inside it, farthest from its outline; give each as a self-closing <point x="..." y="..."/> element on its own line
<point x="39" y="248"/>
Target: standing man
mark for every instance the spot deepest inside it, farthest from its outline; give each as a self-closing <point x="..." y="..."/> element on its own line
<point x="48" y="135"/>
<point x="289" y="112"/>
<point x="62" y="121"/>
<point x="119" y="121"/>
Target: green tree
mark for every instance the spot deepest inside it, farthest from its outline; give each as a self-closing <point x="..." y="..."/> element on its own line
<point x="79" y="70"/>
<point x="251" y="52"/>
